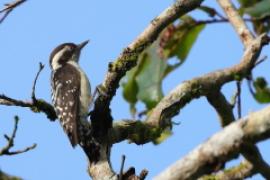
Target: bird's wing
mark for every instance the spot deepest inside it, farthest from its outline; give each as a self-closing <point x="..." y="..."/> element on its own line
<point x="66" y="85"/>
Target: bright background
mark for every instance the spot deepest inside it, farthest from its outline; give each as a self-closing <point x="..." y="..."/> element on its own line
<point x="30" y="33"/>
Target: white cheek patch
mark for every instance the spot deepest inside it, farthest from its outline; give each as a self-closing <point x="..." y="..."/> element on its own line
<point x="57" y="57"/>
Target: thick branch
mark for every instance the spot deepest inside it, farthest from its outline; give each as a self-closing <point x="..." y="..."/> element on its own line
<point x="101" y="116"/>
<point x="242" y="171"/>
<point x="184" y="93"/>
<point x="249" y="150"/>
<point x="237" y="22"/>
<point x="128" y="59"/>
<point x="221" y="147"/>
<point x="137" y="132"/>
<point x="169" y="106"/>
<point x="223" y="108"/>
<point x="252" y="154"/>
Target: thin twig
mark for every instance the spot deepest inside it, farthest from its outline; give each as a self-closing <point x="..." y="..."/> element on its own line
<point x="249" y="82"/>
<point x="10" y="142"/>
<point x="9" y="7"/>
<point x="41" y="66"/>
<point x="142" y="113"/>
<point x="36" y="105"/>
<point x="12" y="5"/>
<point x="237" y="22"/>
<point x="239" y="110"/>
<point x="23" y="150"/>
<point x="5" y="16"/>
<point x="122" y="167"/>
<point x="223" y="20"/>
<point x="261" y="60"/>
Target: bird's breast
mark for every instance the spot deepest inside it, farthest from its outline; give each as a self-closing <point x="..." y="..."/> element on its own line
<point x="85" y="95"/>
<point x="85" y="91"/>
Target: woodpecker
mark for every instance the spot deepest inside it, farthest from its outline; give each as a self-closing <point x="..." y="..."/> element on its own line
<point x="71" y="91"/>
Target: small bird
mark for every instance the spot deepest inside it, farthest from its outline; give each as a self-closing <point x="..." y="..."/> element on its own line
<point x="71" y="91"/>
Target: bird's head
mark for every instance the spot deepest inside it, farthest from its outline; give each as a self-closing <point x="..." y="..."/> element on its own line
<point x="64" y="53"/>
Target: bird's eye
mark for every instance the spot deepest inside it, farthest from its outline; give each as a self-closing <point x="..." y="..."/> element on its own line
<point x="67" y="54"/>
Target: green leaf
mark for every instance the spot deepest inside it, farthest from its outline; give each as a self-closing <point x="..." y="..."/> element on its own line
<point x="130" y="86"/>
<point x="163" y="136"/>
<point x="182" y="39"/>
<point x="248" y="3"/>
<point x="150" y="78"/>
<point x="260" y="83"/>
<point x="262" y="94"/>
<point x="130" y="90"/>
<point x="171" y="68"/>
<point x="144" y="82"/>
<point x="260" y="9"/>
<point x="188" y="40"/>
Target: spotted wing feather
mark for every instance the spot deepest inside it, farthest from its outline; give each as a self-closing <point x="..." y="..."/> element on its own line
<point x="66" y="88"/>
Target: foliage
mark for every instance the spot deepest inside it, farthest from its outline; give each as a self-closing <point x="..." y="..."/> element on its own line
<point x="262" y="91"/>
<point x="144" y="82"/>
<point x="259" y="10"/>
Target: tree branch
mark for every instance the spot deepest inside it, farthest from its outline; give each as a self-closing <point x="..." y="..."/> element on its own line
<point x="10" y="142"/>
<point x="128" y="59"/>
<point x="5" y="176"/>
<point x="239" y="25"/>
<point x="41" y="66"/>
<point x="252" y="154"/>
<point x="8" y="8"/>
<point x="242" y="171"/>
<point x="141" y="132"/>
<point x="101" y="115"/>
<point x="252" y="128"/>
<point x="223" y="108"/>
<point x="224" y="20"/>
<point x="138" y="132"/>
<point x="36" y="105"/>
<point x="169" y="106"/>
<point x="249" y="150"/>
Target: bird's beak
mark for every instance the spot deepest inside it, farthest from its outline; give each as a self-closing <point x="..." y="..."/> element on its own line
<point x="81" y="45"/>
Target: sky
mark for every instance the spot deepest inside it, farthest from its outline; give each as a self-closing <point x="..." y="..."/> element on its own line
<point x="34" y="29"/>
